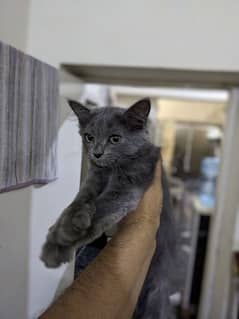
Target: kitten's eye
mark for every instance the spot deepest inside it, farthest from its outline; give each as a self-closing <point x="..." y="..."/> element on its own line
<point x="89" y="138"/>
<point x="115" y="139"/>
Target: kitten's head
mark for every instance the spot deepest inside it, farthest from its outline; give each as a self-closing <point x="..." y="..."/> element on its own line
<point x="111" y="135"/>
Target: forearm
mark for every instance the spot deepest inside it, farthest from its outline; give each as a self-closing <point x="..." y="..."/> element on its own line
<point x="110" y="286"/>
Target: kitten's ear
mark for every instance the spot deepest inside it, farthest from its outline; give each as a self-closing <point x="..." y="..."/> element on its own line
<point x="82" y="112"/>
<point x="136" y="116"/>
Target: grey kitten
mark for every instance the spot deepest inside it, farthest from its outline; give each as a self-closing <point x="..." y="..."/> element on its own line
<point x="122" y="167"/>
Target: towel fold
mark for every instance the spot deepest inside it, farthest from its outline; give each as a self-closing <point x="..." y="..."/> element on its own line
<point x="28" y="120"/>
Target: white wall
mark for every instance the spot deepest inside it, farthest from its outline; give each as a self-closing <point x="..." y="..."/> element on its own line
<point x="14" y="247"/>
<point x="14" y="22"/>
<point x="163" y="33"/>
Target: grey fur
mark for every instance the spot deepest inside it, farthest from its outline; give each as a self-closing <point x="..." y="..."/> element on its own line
<point x="122" y="168"/>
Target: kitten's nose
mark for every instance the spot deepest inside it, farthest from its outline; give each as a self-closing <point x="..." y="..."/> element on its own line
<point x="98" y="155"/>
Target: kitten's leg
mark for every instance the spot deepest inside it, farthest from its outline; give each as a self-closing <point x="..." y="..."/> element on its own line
<point x="111" y="207"/>
<point x="83" y="206"/>
<point x="156" y="305"/>
<point x="72" y="224"/>
<point x="154" y="301"/>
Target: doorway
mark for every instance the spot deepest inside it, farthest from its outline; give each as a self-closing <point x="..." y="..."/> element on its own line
<point x="181" y="79"/>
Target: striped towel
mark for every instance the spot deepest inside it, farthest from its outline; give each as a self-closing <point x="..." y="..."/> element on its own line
<point x="28" y="120"/>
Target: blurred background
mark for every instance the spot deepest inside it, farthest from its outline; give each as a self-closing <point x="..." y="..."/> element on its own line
<point x="184" y="56"/>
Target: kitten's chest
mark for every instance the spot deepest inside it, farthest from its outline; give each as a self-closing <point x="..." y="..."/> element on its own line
<point x="137" y="174"/>
<point x="125" y="179"/>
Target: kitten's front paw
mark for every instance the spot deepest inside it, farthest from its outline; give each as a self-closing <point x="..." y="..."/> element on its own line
<point x="81" y="220"/>
<point x="53" y="255"/>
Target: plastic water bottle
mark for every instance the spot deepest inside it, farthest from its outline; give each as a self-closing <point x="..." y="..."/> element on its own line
<point x="209" y="171"/>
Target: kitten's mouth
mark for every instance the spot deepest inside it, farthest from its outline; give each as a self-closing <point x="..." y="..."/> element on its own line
<point x="102" y="164"/>
<point x="98" y="163"/>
